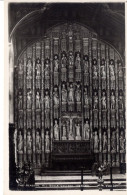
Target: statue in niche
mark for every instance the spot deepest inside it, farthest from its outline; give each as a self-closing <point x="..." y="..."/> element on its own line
<point x="113" y="141"/>
<point x="103" y="100"/>
<point x="56" y="130"/>
<point x="38" y="147"/>
<point x="56" y="63"/>
<point x="71" y="59"/>
<point x="95" y="72"/>
<point x="104" y="120"/>
<point x="86" y="130"/>
<point x="20" y="143"/>
<point x="47" y="70"/>
<point x="20" y="100"/>
<point x="121" y="120"/>
<point x="29" y="141"/>
<point x="86" y="65"/>
<point x="113" y="124"/>
<point x="120" y="72"/>
<point x="77" y="128"/>
<point x="56" y="96"/>
<point x="29" y="101"/>
<point x="112" y="101"/>
<point x="38" y="142"/>
<point x="95" y="77"/>
<point x="112" y="75"/>
<point x="78" y="61"/>
<point x="64" y="136"/>
<point x="47" y="142"/>
<point x="85" y="91"/>
<point x="20" y="68"/>
<point x="63" y="60"/>
<point x="29" y="68"/>
<point x="29" y="120"/>
<point x="38" y="105"/>
<point x="103" y="72"/>
<point x="71" y="93"/>
<point x="47" y="100"/>
<point x="47" y="118"/>
<point x="95" y="119"/>
<point x="20" y="120"/>
<point x="38" y="67"/>
<point x="105" y="141"/>
<point x="70" y="134"/>
<point x="120" y="101"/>
<point x="64" y="93"/>
<point x="95" y="101"/>
<point x="78" y="93"/>
<point x="20" y="82"/>
<point x="96" y="141"/>
<point x="122" y="141"/>
<point x="38" y="121"/>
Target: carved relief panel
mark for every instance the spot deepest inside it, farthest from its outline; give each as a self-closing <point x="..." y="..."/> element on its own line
<point x="70" y="87"/>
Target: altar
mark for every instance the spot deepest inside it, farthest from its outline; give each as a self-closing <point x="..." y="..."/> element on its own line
<point x="72" y="154"/>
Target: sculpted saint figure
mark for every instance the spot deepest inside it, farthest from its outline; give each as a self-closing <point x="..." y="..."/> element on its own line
<point x="112" y="101"/>
<point x="56" y="130"/>
<point x="20" y="142"/>
<point x="94" y="72"/>
<point x="103" y="73"/>
<point x="103" y="100"/>
<point x="29" y="99"/>
<point x="122" y="141"/>
<point x="64" y="131"/>
<point x="105" y="141"/>
<point x="20" y="100"/>
<point x="38" y="67"/>
<point x="47" y="142"/>
<point x="96" y="141"/>
<point x="77" y="126"/>
<point x="71" y="59"/>
<point x="78" y="93"/>
<point x="113" y="140"/>
<point x="47" y="67"/>
<point x="38" y="106"/>
<point x="78" y="61"/>
<point x="29" y="68"/>
<point x="38" y="141"/>
<point x="29" y="141"/>
<point x="20" y="67"/>
<point x="56" y="63"/>
<point x="63" y="60"/>
<point x="121" y="101"/>
<point x="64" y="93"/>
<point x="95" y="105"/>
<point x="47" y="100"/>
<point x="71" y="93"/>
<point x="86" y="130"/>
<point x="56" y="96"/>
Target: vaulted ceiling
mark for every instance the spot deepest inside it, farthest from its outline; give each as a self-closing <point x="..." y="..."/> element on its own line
<point x="32" y="19"/>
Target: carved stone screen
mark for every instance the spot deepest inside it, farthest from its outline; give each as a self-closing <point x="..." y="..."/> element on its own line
<point x="69" y="86"/>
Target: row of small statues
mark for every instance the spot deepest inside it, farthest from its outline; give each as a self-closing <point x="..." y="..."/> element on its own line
<point x="47" y="140"/>
<point x="71" y="95"/>
<point x="113" y="141"/>
<point x="68" y="131"/>
<point x="71" y="61"/>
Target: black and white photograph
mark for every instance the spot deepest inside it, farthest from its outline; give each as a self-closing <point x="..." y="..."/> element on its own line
<point x="67" y="112"/>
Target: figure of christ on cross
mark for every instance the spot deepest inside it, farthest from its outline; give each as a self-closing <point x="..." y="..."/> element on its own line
<point x="71" y="126"/>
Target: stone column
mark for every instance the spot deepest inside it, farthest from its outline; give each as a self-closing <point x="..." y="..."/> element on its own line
<point x="11" y="82"/>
